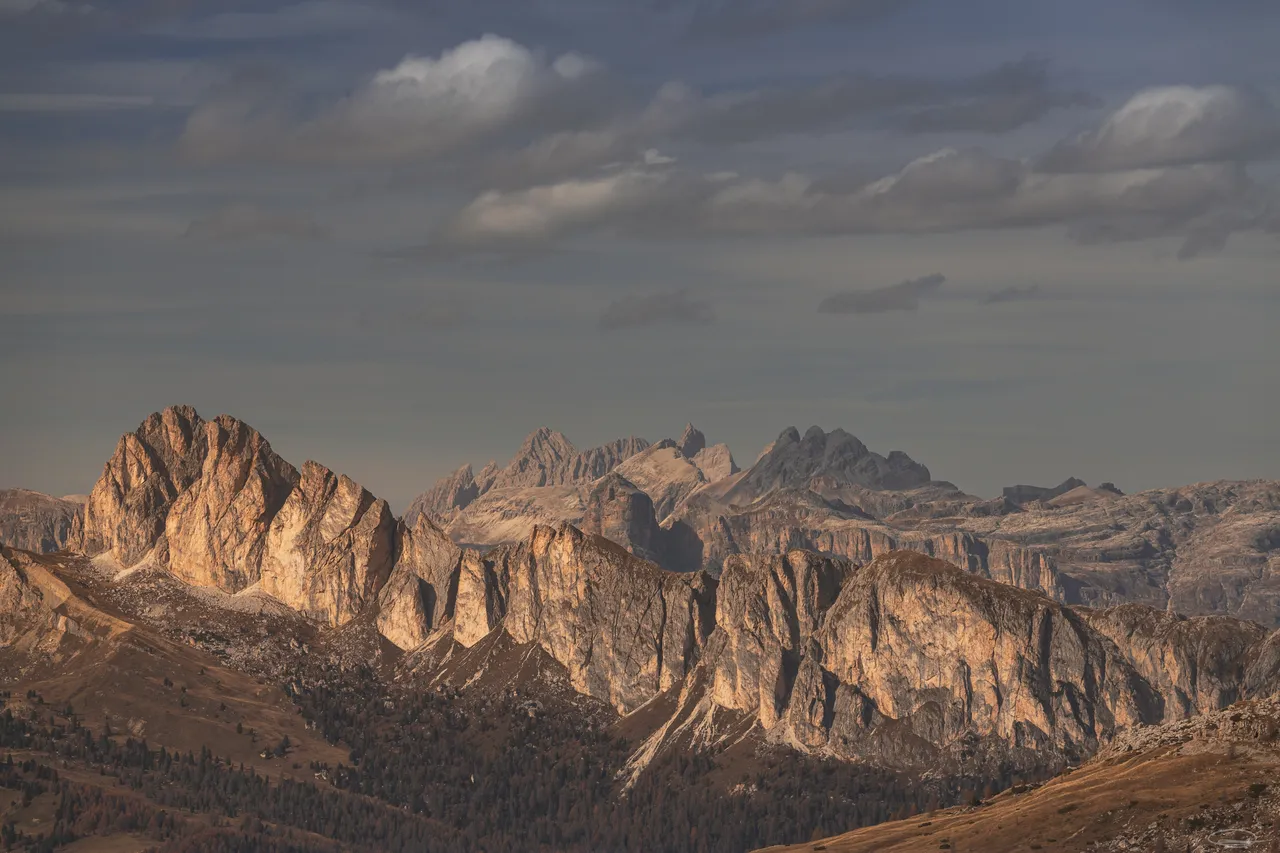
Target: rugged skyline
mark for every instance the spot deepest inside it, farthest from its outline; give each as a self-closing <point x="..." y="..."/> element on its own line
<point x="1018" y="241"/>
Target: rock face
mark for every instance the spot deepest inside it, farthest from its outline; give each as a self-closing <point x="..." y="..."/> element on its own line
<point x="913" y="661"/>
<point x="422" y="587"/>
<point x="691" y="442"/>
<point x="129" y="505"/>
<point x="620" y="512"/>
<point x="793" y="461"/>
<point x="449" y="494"/>
<point x="1026" y="494"/>
<point x="623" y="628"/>
<point x="546" y="458"/>
<point x="330" y="548"/>
<point x="715" y="462"/>
<point x="768" y="609"/>
<point x="35" y="522"/>
<point x="216" y="530"/>
<point x="665" y="474"/>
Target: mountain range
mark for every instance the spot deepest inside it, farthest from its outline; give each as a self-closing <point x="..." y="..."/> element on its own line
<point x="827" y="604"/>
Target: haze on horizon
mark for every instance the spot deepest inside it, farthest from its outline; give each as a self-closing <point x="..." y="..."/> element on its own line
<point x="1019" y="241"/>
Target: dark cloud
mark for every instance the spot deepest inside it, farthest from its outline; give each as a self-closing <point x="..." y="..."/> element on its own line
<point x="306" y="19"/>
<point x="749" y="18"/>
<point x="904" y="296"/>
<point x="1013" y="293"/>
<point x="673" y="308"/>
<point x="248" y="221"/>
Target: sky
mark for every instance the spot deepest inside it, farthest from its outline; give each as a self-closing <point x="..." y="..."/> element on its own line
<point x="1019" y="240"/>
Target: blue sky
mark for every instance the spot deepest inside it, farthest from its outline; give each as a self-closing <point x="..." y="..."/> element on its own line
<point x="1018" y="240"/>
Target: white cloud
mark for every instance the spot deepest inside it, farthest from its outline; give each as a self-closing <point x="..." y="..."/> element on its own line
<point x="422" y="107"/>
<point x="1174" y="126"/>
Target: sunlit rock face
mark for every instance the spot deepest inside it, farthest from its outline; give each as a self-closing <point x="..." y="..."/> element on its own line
<point x="330" y="548"/>
<point x="422" y="588"/>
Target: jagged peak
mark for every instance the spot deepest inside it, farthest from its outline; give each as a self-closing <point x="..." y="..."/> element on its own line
<point x="691" y="441"/>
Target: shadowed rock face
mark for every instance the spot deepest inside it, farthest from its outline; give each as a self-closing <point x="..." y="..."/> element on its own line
<point x="421" y="590"/>
<point x="330" y="548"/>
<point x="129" y="505"/>
<point x="35" y="522"/>
<point x="623" y="628"/>
<point x="620" y="512"/>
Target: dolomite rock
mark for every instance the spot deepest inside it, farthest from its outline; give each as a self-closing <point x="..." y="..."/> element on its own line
<point x="216" y="529"/>
<point x="715" y="462"/>
<point x="422" y="588"/>
<point x="919" y="650"/>
<point x="36" y="522"/>
<point x="691" y="442"/>
<point x="793" y="462"/>
<point x="129" y="505"/>
<point x="1198" y="665"/>
<point x="665" y="474"/>
<point x="330" y="548"/>
<point x="768" y="609"/>
<point x="448" y="495"/>
<point x="620" y="512"/>
<point x="623" y="628"/>
<point x="545" y="459"/>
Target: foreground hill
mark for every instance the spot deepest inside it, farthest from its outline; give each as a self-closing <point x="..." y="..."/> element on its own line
<point x="1212" y="783"/>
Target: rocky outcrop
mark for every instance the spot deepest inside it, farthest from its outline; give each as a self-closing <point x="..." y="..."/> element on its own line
<point x="422" y="588"/>
<point x="665" y="474"/>
<point x="330" y="548"/>
<point x="545" y="459"/>
<point x="691" y="442"/>
<point x="768" y="609"/>
<point x="794" y="462"/>
<point x="624" y="629"/>
<point x="1020" y="495"/>
<point x="448" y="495"/>
<point x="1197" y="665"/>
<point x="35" y="522"/>
<point x="620" y="512"/>
<point x="129" y="505"/>
<point x="216" y="529"/>
<point x="715" y="462"/>
<point x="507" y="515"/>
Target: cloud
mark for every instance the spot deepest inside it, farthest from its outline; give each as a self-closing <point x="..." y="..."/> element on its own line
<point x="746" y="18"/>
<point x="248" y="221"/>
<point x="949" y="191"/>
<point x="1174" y="126"/>
<point x="673" y="308"/>
<point x="420" y="108"/>
<point x="1013" y="293"/>
<point x="627" y="196"/>
<point x="904" y="296"/>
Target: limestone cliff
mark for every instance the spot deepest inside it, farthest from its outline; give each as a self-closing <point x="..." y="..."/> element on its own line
<point x="330" y="548"/>
<point x="623" y="628"/>
<point x="36" y="522"/>
<point x="129" y="505"/>
<point x="422" y="587"/>
<point x="216" y="529"/>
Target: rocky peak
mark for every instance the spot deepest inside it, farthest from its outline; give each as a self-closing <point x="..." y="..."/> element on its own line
<point x="621" y="512"/>
<point x="330" y="548"/>
<point x="37" y="522"/>
<point x="127" y="509"/>
<point x="623" y="628"/>
<point x="590" y="465"/>
<point x="216" y="529"/>
<point x="691" y="441"/>
<point x="1022" y="494"/>
<point x="449" y="494"/>
<point x="423" y="585"/>
<point x="793" y="461"/>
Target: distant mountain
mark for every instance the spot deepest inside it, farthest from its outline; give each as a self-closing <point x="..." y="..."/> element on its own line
<point x="36" y="522"/>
